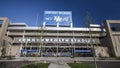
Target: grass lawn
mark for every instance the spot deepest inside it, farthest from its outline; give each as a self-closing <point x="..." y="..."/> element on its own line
<point x="80" y="65"/>
<point x="37" y="65"/>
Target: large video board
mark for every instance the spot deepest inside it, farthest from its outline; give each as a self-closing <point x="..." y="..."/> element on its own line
<point x="64" y="18"/>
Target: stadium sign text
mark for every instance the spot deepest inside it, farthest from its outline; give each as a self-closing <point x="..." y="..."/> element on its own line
<point x="59" y="40"/>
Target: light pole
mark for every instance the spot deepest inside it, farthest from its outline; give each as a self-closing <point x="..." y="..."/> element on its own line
<point x="91" y="43"/>
<point x="89" y="21"/>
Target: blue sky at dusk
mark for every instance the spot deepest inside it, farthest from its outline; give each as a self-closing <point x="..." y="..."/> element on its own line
<point x="27" y="10"/>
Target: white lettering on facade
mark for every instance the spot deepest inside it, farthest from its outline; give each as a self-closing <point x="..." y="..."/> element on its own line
<point x="60" y="40"/>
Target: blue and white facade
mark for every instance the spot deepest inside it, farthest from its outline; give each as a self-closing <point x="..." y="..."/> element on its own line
<point x="57" y="41"/>
<point x="57" y="37"/>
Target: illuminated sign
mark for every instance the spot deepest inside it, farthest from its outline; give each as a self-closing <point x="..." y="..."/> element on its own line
<point x="64" y="18"/>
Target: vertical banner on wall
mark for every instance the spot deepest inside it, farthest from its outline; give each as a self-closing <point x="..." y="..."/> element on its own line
<point x="64" y="18"/>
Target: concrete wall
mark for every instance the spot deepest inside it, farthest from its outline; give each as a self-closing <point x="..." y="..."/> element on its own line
<point x="4" y="26"/>
<point x="116" y="40"/>
<point x="4" y="39"/>
<point x="113" y="38"/>
<point x="101" y="52"/>
<point x="15" y="50"/>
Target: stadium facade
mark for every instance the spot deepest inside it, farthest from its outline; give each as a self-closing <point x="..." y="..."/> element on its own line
<point x="21" y="40"/>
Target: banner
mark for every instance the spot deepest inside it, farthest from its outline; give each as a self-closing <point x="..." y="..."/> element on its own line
<point x="82" y="51"/>
<point x="64" y="18"/>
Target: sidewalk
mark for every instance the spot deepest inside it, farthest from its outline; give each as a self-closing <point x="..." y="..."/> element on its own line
<point x="59" y="65"/>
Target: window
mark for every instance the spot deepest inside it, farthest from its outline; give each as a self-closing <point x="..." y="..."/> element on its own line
<point x="1" y="21"/>
<point x="115" y="26"/>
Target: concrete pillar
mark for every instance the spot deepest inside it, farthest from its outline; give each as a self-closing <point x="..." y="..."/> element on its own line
<point x="113" y="39"/>
<point x="3" y="38"/>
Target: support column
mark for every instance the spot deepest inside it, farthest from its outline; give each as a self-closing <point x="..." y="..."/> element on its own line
<point x="22" y="41"/>
<point x="44" y="24"/>
<point x="73" y="45"/>
<point x="57" y="42"/>
<point x="71" y="25"/>
<point x="57" y="24"/>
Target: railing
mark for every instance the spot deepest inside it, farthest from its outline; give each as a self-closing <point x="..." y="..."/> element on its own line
<point x="55" y="34"/>
<point x="15" y="33"/>
<point x="116" y="33"/>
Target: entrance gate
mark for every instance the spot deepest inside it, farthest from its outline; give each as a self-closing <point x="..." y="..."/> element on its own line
<point x="57" y="52"/>
<point x="46" y="52"/>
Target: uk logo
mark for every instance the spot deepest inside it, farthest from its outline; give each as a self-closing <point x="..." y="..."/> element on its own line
<point x="61" y="19"/>
<point x="57" y="18"/>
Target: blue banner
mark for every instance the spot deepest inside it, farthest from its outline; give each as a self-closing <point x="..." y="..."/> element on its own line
<point x="29" y="50"/>
<point x="64" y="18"/>
<point x="82" y="51"/>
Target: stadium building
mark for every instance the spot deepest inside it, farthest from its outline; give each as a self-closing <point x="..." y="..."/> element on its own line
<point x="21" y="40"/>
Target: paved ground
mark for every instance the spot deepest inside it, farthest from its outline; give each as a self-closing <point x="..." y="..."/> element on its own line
<point x="59" y="65"/>
<point x="58" y="62"/>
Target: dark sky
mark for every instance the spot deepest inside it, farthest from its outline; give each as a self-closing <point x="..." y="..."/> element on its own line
<point x="27" y="10"/>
